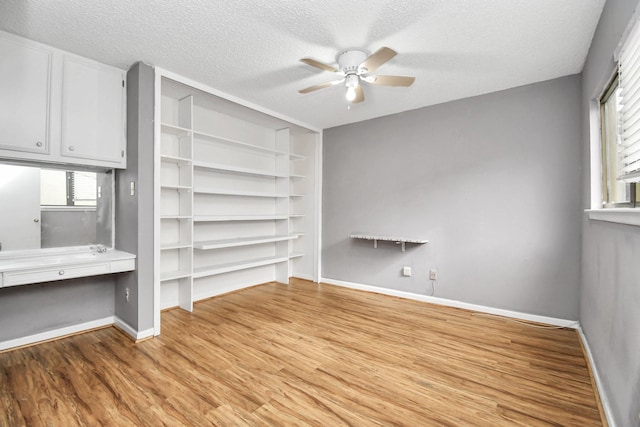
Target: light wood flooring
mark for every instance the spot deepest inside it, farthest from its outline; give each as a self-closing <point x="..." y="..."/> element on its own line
<point x="305" y="354"/>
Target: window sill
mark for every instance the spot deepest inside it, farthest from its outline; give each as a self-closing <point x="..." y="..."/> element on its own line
<point x="629" y="216"/>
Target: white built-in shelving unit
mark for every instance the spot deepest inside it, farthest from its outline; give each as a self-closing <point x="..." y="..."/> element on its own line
<point x="237" y="200"/>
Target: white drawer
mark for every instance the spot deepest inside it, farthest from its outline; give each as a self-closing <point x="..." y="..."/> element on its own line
<point x="122" y="265"/>
<point x="50" y="274"/>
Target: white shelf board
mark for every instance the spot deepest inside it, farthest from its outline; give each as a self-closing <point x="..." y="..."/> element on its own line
<point x="292" y="176"/>
<point x="174" y="130"/>
<point x="215" y="218"/>
<point x="174" y="275"/>
<point x="174" y="245"/>
<point x="398" y="240"/>
<point x="175" y="217"/>
<point x="293" y="156"/>
<point x="296" y="195"/>
<point x="296" y="215"/>
<point x="236" y="169"/>
<point x="239" y="144"/>
<point x="240" y="193"/>
<point x="175" y="187"/>
<point x="295" y="255"/>
<point x="244" y="241"/>
<point x="235" y="266"/>
<point x="175" y="159"/>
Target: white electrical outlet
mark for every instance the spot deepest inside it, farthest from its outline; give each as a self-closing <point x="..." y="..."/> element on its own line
<point x="126" y="294"/>
<point x="406" y="271"/>
<point x="433" y="274"/>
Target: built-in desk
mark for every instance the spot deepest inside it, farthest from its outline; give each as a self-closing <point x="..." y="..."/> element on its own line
<point x="31" y="267"/>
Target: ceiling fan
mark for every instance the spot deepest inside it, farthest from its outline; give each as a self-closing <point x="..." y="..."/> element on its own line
<point x="355" y="67"/>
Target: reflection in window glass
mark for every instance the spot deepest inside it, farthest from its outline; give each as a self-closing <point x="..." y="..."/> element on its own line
<point x="83" y="188"/>
<point x="53" y="187"/>
<point x="67" y="188"/>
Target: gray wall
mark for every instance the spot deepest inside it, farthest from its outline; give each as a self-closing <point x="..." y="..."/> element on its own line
<point x="31" y="309"/>
<point x="610" y="292"/>
<point x="134" y="214"/>
<point x="67" y="228"/>
<point x="491" y="181"/>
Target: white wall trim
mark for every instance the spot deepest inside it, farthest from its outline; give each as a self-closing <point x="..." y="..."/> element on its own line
<point x="127" y="329"/>
<point x="157" y="117"/>
<point x="606" y="406"/>
<point x="458" y="304"/>
<point x="303" y="277"/>
<point x="75" y="329"/>
<point x="225" y="290"/>
<point x="629" y="216"/>
<point x="57" y="333"/>
<point x="317" y="271"/>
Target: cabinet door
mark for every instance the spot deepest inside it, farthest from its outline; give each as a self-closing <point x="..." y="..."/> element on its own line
<point x="92" y="112"/>
<point x="24" y="97"/>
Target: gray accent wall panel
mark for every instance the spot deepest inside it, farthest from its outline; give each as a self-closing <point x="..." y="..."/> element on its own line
<point x="33" y="309"/>
<point x="134" y="214"/>
<point x="610" y="291"/>
<point x="493" y="182"/>
<point x="56" y="225"/>
<point x="610" y="313"/>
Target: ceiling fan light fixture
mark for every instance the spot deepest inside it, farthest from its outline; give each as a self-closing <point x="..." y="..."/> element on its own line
<point x="351" y="94"/>
<point x="352" y="80"/>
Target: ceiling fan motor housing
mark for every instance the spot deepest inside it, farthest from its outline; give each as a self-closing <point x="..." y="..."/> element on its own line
<point x="349" y="60"/>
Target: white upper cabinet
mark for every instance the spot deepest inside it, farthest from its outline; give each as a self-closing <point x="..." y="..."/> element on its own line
<point x="57" y="107"/>
<point x="92" y="111"/>
<point x="24" y="104"/>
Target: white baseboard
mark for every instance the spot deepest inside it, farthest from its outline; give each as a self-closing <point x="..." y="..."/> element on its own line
<point x="606" y="406"/>
<point x="303" y="277"/>
<point x="223" y="290"/>
<point x="56" y="333"/>
<point x="453" y="303"/>
<point x="136" y="335"/>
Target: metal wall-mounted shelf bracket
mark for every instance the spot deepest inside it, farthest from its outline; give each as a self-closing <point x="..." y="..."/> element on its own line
<point x="398" y="240"/>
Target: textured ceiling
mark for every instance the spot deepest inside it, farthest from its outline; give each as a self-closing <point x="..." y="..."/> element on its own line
<point x="251" y="49"/>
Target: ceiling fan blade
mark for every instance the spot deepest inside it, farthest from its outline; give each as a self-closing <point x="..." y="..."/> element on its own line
<point x="393" y="80"/>
<point x="320" y="86"/>
<point x="378" y="58"/>
<point x="359" y="95"/>
<point x="319" y="64"/>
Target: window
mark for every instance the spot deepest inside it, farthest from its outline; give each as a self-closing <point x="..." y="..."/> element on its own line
<point x="615" y="192"/>
<point x="620" y="127"/>
<point x="68" y="188"/>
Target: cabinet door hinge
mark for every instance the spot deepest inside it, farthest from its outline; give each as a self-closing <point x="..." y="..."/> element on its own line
<point x="122" y="153"/>
<point x="123" y="83"/>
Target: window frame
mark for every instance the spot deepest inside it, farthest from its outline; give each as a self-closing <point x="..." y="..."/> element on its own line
<point x="608" y="149"/>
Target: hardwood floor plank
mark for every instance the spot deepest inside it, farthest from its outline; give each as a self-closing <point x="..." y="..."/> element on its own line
<point x="306" y="354"/>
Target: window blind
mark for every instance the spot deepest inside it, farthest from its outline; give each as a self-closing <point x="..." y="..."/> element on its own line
<point x="629" y="143"/>
<point x="84" y="189"/>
